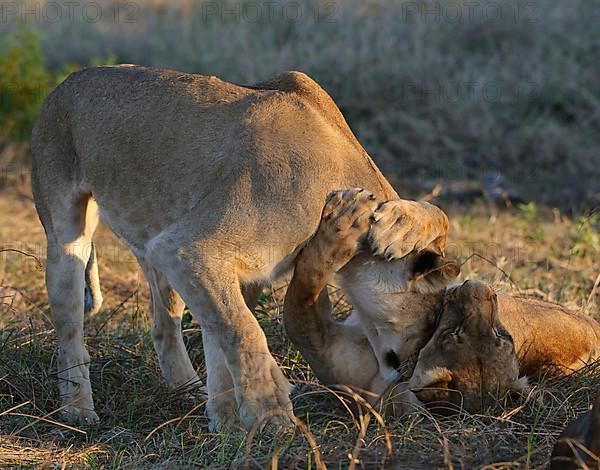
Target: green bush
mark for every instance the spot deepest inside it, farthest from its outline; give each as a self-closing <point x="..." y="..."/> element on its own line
<point x="24" y="82"/>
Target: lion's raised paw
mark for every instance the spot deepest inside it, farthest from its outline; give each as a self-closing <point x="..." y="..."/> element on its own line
<point x="401" y="227"/>
<point x="345" y="223"/>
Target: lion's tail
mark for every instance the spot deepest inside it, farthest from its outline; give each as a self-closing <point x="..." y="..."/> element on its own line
<point x="93" y="295"/>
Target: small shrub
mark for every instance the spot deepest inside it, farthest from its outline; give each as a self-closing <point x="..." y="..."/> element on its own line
<point x="587" y="238"/>
<point x="24" y="82"/>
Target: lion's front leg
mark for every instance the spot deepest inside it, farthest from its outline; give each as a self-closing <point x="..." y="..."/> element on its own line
<point x="335" y="352"/>
<point x="221" y="407"/>
<point x="239" y="361"/>
<point x="236" y="344"/>
<point x="404" y="226"/>
<point x="344" y="225"/>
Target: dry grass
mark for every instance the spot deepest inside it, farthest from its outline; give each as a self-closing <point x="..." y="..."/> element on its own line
<point x="145" y="425"/>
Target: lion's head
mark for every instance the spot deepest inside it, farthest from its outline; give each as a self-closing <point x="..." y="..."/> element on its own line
<point x="446" y="341"/>
<point x="388" y="296"/>
<point x="470" y="357"/>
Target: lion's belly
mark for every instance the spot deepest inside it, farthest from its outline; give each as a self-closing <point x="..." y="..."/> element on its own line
<point x="262" y="225"/>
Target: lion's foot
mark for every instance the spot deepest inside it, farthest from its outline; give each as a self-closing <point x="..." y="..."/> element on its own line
<point x="264" y="397"/>
<point x="82" y="414"/>
<point x="402" y="226"/>
<point x="344" y="226"/>
<point x="263" y="401"/>
<point x="75" y="390"/>
<point x="221" y="410"/>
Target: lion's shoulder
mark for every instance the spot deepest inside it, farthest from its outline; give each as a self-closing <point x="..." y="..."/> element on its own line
<point x="303" y="87"/>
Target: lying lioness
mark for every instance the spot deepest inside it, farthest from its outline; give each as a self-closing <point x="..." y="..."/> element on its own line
<point x="215" y="188"/>
<point x="453" y="346"/>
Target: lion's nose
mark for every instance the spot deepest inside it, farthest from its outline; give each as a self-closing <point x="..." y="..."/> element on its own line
<point x="430" y="395"/>
<point x="439" y="399"/>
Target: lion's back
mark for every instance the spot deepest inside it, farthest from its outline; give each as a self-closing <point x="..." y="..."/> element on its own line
<point x="189" y="142"/>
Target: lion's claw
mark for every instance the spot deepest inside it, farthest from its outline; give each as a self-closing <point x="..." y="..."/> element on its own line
<point x="345" y="223"/>
<point x="403" y="226"/>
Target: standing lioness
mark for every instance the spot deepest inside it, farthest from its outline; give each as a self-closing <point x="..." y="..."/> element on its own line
<point x="215" y="187"/>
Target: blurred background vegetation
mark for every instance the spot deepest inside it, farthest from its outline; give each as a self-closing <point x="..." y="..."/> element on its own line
<point x="436" y="91"/>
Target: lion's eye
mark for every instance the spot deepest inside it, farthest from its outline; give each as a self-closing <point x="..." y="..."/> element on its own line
<point x="456" y="332"/>
<point x="453" y="334"/>
<point x="502" y="334"/>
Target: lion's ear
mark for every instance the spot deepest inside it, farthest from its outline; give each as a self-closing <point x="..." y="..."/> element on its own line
<point x="430" y="271"/>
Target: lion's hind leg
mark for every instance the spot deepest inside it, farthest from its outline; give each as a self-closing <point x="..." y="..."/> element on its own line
<point x="69" y="221"/>
<point x="167" y="312"/>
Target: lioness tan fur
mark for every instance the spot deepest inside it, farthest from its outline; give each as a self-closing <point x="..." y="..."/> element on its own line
<point x="215" y="188"/>
<point x="451" y="345"/>
<point x="549" y="338"/>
